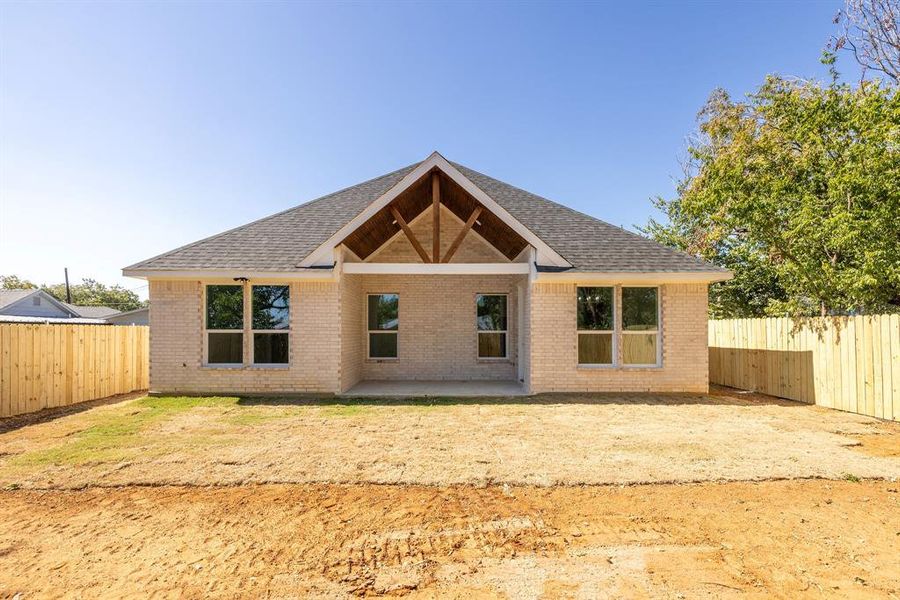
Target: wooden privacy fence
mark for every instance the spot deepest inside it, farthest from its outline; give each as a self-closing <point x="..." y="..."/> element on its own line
<point x="846" y="363"/>
<point x="43" y="366"/>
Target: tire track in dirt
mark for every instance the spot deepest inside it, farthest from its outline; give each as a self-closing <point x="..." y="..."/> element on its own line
<point x="779" y="539"/>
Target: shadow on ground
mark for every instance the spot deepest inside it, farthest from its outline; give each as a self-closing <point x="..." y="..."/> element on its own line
<point x="47" y="415"/>
<point x="718" y="396"/>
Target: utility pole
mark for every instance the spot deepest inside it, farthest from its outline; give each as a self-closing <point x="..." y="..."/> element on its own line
<point x="68" y="292"/>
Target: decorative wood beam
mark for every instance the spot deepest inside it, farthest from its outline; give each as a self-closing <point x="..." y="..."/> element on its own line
<point x="410" y="235"/>
<point x="436" y="204"/>
<point x="462" y="234"/>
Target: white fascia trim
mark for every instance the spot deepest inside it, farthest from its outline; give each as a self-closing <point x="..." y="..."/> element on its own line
<point x="322" y="254"/>
<point x="625" y="278"/>
<point x="436" y="268"/>
<point x="312" y="274"/>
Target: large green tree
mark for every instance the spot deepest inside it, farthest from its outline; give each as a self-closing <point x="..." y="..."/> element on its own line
<point x="797" y="190"/>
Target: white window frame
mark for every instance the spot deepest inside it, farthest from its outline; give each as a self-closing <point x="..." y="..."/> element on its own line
<point x="369" y="332"/>
<point x="612" y="332"/>
<point x="478" y="332"/>
<point x="286" y="332"/>
<point x="657" y="331"/>
<point x="207" y="331"/>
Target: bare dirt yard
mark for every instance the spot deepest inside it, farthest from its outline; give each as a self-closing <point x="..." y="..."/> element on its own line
<point x="742" y="496"/>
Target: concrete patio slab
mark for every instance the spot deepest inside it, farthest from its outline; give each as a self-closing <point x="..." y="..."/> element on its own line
<point x="402" y="389"/>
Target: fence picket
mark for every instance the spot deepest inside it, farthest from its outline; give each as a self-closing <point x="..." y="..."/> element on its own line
<point x="846" y="363"/>
<point x="57" y="365"/>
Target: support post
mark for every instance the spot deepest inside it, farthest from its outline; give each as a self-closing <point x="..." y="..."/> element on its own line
<point x="436" y="204"/>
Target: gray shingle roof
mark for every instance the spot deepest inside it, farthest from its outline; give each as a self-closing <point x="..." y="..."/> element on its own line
<point x="589" y="244"/>
<point x="92" y="312"/>
<point x="279" y="242"/>
<point x="7" y="297"/>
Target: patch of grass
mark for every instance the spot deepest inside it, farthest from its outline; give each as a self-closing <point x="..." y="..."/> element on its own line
<point x="114" y="436"/>
<point x="181" y="403"/>
<point x="106" y="441"/>
<point x="851" y="477"/>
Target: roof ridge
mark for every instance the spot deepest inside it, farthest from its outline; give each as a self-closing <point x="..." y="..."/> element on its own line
<point x="267" y="217"/>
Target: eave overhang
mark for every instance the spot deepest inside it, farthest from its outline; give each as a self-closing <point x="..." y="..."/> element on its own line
<point x="311" y="274"/>
<point x="643" y="278"/>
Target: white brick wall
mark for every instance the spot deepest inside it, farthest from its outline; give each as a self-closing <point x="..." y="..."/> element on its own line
<point x="554" y="354"/>
<point x="353" y="350"/>
<point x="176" y="344"/>
<point x="437" y="336"/>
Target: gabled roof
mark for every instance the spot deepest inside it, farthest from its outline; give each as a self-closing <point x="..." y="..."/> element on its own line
<point x="283" y="241"/>
<point x="8" y="297"/>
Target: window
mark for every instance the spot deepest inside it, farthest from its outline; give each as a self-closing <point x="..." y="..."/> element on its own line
<point x="271" y="321"/>
<point x="224" y="324"/>
<point x="36" y="301"/>
<point x="596" y="326"/>
<point x="490" y="320"/>
<point x="384" y="322"/>
<point x="640" y="326"/>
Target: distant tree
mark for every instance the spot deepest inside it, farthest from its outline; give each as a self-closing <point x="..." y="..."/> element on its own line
<point x="14" y="282"/>
<point x="871" y="32"/>
<point x="796" y="191"/>
<point x="87" y="293"/>
<point x="93" y="293"/>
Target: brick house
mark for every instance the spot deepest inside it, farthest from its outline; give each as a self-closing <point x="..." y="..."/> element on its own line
<point x="433" y="272"/>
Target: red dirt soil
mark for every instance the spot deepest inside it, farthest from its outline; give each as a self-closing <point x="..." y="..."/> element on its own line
<point x="785" y="539"/>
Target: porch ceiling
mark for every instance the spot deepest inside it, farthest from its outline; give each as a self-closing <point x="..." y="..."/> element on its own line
<point x="371" y="235"/>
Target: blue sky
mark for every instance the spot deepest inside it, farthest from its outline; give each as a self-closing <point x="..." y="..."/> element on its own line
<point x="129" y="129"/>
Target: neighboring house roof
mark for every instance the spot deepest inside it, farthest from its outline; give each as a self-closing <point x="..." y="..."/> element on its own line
<point x="12" y="302"/>
<point x="140" y="316"/>
<point x="8" y="297"/>
<point x="128" y="313"/>
<point x="281" y="241"/>
<point x="92" y="312"/>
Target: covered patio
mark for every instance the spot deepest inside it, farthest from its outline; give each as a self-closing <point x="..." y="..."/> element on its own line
<point x="434" y="286"/>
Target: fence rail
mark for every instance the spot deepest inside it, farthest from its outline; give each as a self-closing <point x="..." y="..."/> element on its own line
<point x="44" y="366"/>
<point x="846" y="363"/>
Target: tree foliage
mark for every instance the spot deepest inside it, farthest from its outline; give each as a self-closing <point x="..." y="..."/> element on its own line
<point x="14" y="282"/>
<point x="87" y="293"/>
<point x="797" y="191"/>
